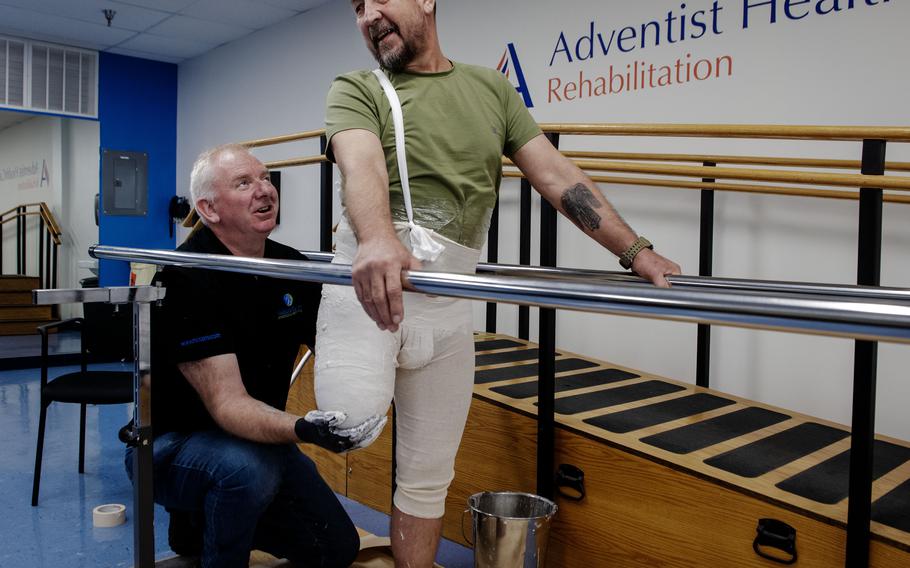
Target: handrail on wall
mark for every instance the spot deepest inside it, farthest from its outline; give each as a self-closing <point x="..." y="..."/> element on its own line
<point x="901" y="183"/>
<point x="730" y="160"/>
<point x="620" y="161"/>
<point x="764" y="131"/>
<point x="49" y="240"/>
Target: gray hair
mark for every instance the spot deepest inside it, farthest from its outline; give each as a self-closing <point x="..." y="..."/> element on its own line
<point x="203" y="175"/>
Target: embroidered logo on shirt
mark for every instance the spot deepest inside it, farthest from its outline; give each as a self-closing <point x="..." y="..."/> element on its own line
<point x="290" y="309"/>
<point x="202" y="339"/>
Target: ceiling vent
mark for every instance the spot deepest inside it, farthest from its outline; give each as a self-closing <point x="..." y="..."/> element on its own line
<point x="12" y="72"/>
<point x="49" y="78"/>
<point x="63" y="80"/>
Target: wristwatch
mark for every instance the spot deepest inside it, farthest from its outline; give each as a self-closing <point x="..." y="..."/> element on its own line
<point x="626" y="258"/>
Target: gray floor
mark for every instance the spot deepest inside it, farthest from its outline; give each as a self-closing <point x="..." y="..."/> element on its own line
<point x="59" y="532"/>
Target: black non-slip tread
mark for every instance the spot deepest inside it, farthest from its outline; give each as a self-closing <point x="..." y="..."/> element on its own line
<point x="893" y="508"/>
<point x="572" y="382"/>
<point x="507" y="357"/>
<point x="613" y="397"/>
<point x="700" y="435"/>
<point x="490" y="344"/>
<point x="772" y="452"/>
<point x="529" y="370"/>
<point x="659" y="413"/>
<point x="829" y="481"/>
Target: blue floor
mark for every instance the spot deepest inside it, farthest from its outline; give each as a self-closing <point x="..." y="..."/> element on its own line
<point x="58" y="532"/>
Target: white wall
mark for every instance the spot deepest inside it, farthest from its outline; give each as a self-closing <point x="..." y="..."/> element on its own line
<point x="54" y="160"/>
<point x="836" y="69"/>
<point x="81" y="140"/>
<point x="30" y="172"/>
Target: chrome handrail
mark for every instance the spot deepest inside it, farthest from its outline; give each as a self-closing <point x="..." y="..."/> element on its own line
<point x="834" y="314"/>
<point x="709" y="282"/>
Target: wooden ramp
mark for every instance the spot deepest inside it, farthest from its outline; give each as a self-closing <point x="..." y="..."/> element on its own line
<point x="675" y="475"/>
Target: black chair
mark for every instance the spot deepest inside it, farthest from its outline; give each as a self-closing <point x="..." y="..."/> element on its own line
<point x="82" y="387"/>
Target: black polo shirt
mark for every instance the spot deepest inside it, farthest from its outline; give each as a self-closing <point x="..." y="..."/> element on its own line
<point x="207" y="312"/>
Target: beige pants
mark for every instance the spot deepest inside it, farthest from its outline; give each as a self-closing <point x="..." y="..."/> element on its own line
<point x="427" y="366"/>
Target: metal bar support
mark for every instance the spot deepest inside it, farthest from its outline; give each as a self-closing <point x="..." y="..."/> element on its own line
<point x="524" y="252"/>
<point x="705" y="268"/>
<point x="326" y="181"/>
<point x="143" y="489"/>
<point x="546" y="394"/>
<point x="493" y="256"/>
<point x="865" y="363"/>
<point x="140" y="297"/>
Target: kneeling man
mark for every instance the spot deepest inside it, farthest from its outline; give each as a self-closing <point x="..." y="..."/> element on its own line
<point x="225" y="452"/>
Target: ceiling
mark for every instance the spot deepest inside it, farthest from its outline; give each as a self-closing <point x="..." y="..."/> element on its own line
<point x="163" y="30"/>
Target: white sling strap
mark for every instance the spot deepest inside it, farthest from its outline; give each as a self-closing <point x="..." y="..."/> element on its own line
<point x="422" y="244"/>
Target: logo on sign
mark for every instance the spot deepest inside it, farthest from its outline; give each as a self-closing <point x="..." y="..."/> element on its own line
<point x="511" y="68"/>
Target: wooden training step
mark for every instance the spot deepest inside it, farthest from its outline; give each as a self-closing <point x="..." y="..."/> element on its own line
<point x="10" y="313"/>
<point x="687" y="472"/>
<point x="18" y="316"/>
<point x="675" y="475"/>
<point x="19" y="283"/>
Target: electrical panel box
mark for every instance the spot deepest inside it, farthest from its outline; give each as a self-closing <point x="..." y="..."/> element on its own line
<point x="124" y="182"/>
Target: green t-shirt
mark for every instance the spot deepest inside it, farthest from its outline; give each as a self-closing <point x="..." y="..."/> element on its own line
<point x="457" y="124"/>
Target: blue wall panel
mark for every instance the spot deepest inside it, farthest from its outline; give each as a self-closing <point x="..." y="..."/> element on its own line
<point x="137" y="108"/>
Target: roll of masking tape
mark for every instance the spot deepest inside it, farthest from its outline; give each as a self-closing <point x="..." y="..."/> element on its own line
<point x="110" y="515"/>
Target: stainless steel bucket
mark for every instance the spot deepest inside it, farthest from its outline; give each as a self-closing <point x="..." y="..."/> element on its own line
<point x="510" y="529"/>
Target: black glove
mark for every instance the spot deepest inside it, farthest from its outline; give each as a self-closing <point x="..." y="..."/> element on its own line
<point x="321" y="428"/>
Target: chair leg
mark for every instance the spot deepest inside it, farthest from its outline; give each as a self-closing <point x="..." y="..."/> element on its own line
<point x="82" y="438"/>
<point x="39" y="450"/>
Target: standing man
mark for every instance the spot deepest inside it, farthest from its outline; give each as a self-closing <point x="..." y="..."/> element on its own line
<point x="459" y="120"/>
<point x="226" y="461"/>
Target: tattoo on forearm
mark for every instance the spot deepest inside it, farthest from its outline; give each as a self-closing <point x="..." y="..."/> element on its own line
<point x="579" y="204"/>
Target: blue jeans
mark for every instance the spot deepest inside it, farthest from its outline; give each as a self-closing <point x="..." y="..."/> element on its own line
<point x="252" y="496"/>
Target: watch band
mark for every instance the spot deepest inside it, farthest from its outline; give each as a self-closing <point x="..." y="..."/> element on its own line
<point x="626" y="258"/>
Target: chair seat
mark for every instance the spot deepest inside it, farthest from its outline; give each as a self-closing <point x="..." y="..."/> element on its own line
<point x="91" y="387"/>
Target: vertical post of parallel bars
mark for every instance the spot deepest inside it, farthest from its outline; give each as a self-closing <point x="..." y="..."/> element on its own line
<point x="524" y="253"/>
<point x="546" y="387"/>
<point x="862" y="437"/>
<point x="705" y="268"/>
<point x="325" y="199"/>
<point x="144" y="524"/>
<point x="493" y="256"/>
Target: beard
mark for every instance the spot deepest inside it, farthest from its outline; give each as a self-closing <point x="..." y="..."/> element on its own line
<point x="394" y="59"/>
